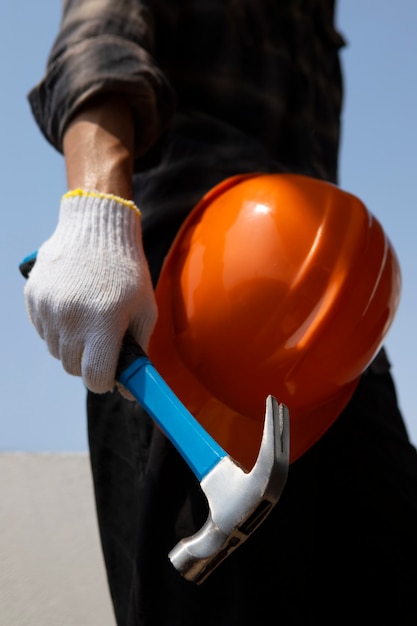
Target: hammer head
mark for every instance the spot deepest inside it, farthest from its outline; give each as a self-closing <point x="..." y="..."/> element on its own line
<point x="238" y="500"/>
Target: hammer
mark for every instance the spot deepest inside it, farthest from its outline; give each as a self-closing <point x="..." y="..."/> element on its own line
<point x="238" y="500"/>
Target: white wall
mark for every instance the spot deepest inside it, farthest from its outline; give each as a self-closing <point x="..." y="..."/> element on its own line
<point x="51" y="567"/>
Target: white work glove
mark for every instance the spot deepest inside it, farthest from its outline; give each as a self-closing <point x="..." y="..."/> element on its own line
<point x="90" y="285"/>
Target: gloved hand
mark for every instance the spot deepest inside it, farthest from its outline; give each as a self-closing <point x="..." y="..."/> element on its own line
<point x="90" y="285"/>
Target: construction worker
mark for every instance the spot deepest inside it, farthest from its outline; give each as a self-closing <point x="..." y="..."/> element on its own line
<point x="153" y="104"/>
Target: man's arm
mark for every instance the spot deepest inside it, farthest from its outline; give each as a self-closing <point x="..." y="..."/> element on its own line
<point x="91" y="282"/>
<point x="98" y="147"/>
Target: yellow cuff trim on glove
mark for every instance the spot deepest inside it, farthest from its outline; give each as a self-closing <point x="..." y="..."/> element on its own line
<point x="105" y="196"/>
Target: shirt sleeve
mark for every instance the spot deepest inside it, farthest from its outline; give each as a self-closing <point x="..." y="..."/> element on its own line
<point x="103" y="46"/>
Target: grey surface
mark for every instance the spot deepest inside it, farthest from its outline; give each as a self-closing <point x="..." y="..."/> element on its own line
<point x="52" y="570"/>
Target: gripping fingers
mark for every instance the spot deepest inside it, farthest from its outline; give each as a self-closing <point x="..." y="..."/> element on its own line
<point x="71" y="353"/>
<point x="99" y="363"/>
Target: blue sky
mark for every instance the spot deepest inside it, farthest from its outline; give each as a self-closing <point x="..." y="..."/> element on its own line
<point x="43" y="408"/>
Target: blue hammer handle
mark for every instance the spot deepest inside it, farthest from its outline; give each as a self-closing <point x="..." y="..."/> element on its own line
<point x="139" y="376"/>
<point x="137" y="373"/>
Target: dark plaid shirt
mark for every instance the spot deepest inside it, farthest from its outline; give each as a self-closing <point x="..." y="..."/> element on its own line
<point x="265" y="68"/>
<point x="218" y="87"/>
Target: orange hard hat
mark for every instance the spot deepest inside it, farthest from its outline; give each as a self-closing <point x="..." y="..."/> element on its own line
<point x="276" y="284"/>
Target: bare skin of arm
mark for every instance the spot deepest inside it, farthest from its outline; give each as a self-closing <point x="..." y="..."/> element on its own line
<point x="98" y="148"/>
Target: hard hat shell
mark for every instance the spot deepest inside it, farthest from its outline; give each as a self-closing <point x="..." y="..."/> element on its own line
<point x="276" y="284"/>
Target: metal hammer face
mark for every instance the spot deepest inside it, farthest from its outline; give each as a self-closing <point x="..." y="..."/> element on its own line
<point x="238" y="500"/>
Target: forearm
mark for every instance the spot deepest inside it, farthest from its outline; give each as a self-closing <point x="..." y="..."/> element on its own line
<point x="99" y="146"/>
